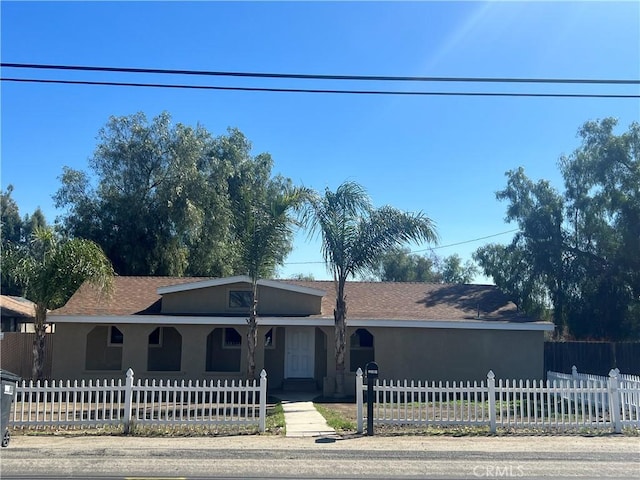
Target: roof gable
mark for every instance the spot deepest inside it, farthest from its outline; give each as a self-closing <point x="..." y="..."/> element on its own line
<point x="216" y="282"/>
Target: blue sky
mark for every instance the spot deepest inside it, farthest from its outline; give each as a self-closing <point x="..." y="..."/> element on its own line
<point x="445" y="156"/>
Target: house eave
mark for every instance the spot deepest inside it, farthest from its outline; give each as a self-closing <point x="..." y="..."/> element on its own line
<point x="301" y="321"/>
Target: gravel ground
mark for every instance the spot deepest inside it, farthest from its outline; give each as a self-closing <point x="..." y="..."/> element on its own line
<point x="351" y="456"/>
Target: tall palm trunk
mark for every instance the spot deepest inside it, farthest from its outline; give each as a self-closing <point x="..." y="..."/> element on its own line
<point x="40" y="328"/>
<point x="340" y="317"/>
<point x="252" y="333"/>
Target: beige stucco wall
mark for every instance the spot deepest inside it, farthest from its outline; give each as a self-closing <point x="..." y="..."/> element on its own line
<point x="214" y="301"/>
<point x="448" y="354"/>
<point x="401" y="353"/>
<point x="71" y="348"/>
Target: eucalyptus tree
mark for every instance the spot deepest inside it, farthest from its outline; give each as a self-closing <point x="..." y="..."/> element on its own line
<point x="400" y="265"/>
<point x="354" y="236"/>
<point x="15" y="231"/>
<point x="160" y="197"/>
<point x="265" y="222"/>
<point x="578" y="249"/>
<point x="50" y="269"/>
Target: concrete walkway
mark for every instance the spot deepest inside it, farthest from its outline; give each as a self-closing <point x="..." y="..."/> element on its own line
<point x="301" y="417"/>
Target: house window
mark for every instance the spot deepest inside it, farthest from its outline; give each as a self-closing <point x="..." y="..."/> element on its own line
<point x="116" y="337"/>
<point x="269" y="339"/>
<point x="361" y="339"/>
<point x="155" y="338"/>
<point x="361" y="349"/>
<point x="240" y="299"/>
<point x="232" y="339"/>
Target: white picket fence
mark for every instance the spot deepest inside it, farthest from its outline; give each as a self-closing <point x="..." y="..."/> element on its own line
<point x="629" y="386"/>
<point x="553" y="405"/>
<point x="101" y="403"/>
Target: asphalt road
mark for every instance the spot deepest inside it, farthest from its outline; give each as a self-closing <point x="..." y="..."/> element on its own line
<point x="267" y="457"/>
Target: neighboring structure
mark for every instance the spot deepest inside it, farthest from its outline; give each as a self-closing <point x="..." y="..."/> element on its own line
<point x="17" y="314"/>
<point x="17" y="335"/>
<point x="195" y="328"/>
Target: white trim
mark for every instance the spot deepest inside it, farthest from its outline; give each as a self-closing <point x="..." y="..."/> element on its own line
<point x="216" y="282"/>
<point x="292" y="288"/>
<point x="303" y="321"/>
<point x="453" y="324"/>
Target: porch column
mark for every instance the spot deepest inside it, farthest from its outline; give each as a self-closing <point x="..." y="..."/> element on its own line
<point x="244" y="351"/>
<point x="330" y="381"/>
<point x="135" y="347"/>
<point x="194" y="350"/>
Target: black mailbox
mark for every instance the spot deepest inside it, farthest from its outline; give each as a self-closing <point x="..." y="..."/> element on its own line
<point x="371" y="370"/>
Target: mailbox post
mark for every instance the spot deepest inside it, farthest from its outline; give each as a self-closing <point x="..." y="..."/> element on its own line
<point x="371" y="370"/>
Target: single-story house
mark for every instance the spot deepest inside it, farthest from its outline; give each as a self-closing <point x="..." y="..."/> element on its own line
<point x="195" y="328"/>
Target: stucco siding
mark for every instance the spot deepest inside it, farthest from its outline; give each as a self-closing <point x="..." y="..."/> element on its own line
<point x="441" y="354"/>
<point x="214" y="300"/>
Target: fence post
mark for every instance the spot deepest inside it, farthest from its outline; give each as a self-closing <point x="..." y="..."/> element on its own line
<point x="359" y="400"/>
<point x="128" y="397"/>
<point x="263" y="400"/>
<point x="614" y="401"/>
<point x="574" y="372"/>
<point x="491" y="384"/>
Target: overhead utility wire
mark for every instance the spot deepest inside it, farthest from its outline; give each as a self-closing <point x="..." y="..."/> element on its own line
<point x="424" y="249"/>
<point x="313" y="90"/>
<point x="384" y="78"/>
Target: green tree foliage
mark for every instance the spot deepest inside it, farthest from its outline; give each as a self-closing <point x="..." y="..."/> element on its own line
<point x="578" y="251"/>
<point x="400" y="265"/>
<point x="354" y="236"/>
<point x="161" y="198"/>
<point x="454" y="271"/>
<point x="15" y="231"/>
<point x="50" y="269"/>
<point x="11" y="222"/>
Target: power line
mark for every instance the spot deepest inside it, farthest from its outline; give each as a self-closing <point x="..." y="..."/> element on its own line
<point x="326" y="91"/>
<point x="303" y="76"/>
<point x="424" y="249"/>
<point x="466" y="241"/>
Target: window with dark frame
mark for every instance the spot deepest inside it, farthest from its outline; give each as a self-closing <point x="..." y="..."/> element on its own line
<point x="269" y="339"/>
<point x="116" y="337"/>
<point x="155" y="338"/>
<point x="240" y="299"/>
<point x="232" y="339"/>
<point x="361" y="338"/>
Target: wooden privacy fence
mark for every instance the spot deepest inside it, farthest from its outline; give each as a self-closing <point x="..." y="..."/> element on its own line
<point x="102" y="403"/>
<point x="560" y="404"/>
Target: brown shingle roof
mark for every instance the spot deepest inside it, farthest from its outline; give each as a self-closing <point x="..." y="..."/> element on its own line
<point x="419" y="301"/>
<point x="365" y="300"/>
<point x="17" y="307"/>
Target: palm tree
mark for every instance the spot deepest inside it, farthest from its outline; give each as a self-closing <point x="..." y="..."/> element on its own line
<point x="49" y="270"/>
<point x="354" y="237"/>
<point x="264" y="242"/>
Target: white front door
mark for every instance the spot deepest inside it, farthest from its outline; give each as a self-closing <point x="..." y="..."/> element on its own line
<point x="300" y="352"/>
